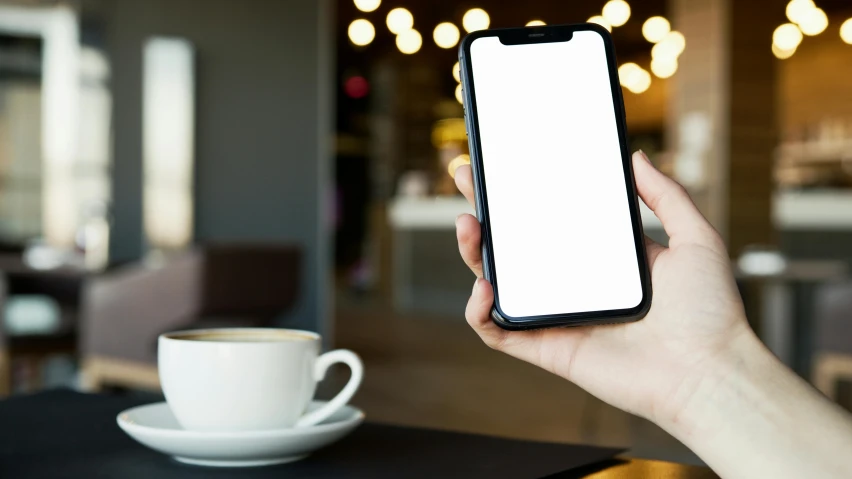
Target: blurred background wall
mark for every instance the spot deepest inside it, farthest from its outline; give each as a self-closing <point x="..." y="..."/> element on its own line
<point x="263" y="119"/>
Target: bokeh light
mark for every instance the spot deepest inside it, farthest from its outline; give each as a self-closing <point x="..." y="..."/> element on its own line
<point x="655" y="29"/>
<point x="676" y="40"/>
<point x="782" y="54"/>
<point x="459" y="94"/>
<point x="457" y="72"/>
<point x="409" y="41"/>
<point x="616" y="12"/>
<point x="367" y="5"/>
<point x="640" y="83"/>
<point x="535" y="23"/>
<point x="446" y="35"/>
<point x="601" y="21"/>
<point x="361" y="32"/>
<point x="846" y="31"/>
<point x="625" y="71"/>
<point x="664" y="67"/>
<point x="399" y="20"/>
<point x="634" y="78"/>
<point x="787" y="37"/>
<point x="670" y="47"/>
<point x="814" y="22"/>
<point x="798" y="9"/>
<point x="356" y="87"/>
<point x="475" y="19"/>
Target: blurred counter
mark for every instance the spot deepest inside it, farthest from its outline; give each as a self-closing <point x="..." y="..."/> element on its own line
<point x="429" y="276"/>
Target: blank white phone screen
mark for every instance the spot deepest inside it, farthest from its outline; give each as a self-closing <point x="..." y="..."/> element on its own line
<point x="560" y="221"/>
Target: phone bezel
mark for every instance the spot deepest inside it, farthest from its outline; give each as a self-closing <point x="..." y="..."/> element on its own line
<point x="545" y="34"/>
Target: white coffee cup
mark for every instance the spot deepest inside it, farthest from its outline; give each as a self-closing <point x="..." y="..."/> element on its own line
<point x="249" y="379"/>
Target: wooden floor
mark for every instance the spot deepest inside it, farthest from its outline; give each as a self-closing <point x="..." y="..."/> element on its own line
<point x="434" y="372"/>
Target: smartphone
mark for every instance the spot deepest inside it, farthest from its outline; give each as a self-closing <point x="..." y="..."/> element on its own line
<point x="562" y="238"/>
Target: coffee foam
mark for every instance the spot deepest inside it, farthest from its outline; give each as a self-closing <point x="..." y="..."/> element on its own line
<point x="243" y="336"/>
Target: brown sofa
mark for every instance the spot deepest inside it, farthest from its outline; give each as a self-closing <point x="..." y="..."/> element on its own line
<point x="124" y="311"/>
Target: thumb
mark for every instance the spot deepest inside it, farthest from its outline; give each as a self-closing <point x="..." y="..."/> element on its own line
<point x="671" y="203"/>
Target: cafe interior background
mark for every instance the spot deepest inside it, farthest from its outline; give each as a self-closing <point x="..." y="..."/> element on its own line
<point x="174" y="164"/>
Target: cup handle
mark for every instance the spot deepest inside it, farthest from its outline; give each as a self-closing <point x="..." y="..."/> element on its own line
<point x="323" y="362"/>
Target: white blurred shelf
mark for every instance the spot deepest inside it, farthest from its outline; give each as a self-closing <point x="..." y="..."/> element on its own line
<point x="813" y="210"/>
<point x="806" y="210"/>
<point x="809" y="152"/>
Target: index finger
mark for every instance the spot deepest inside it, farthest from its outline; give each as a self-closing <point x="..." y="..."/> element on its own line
<point x="464" y="182"/>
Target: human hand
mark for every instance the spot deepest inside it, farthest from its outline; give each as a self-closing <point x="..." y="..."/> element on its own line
<point x="653" y="366"/>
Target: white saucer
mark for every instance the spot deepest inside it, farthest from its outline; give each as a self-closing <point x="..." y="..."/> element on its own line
<point x="155" y="426"/>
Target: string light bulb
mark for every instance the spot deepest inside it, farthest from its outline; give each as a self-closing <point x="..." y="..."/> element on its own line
<point x="361" y="32"/>
<point x="814" y="22"/>
<point x="655" y="29"/>
<point x="616" y="12"/>
<point x="664" y="67"/>
<point x="676" y="40"/>
<point x="639" y="82"/>
<point x="535" y="23"/>
<point x="399" y="20"/>
<point x="634" y="78"/>
<point x="475" y="19"/>
<point x="446" y="35"/>
<point x="787" y="37"/>
<point x="846" y="31"/>
<point x="782" y="54"/>
<point x="367" y="5"/>
<point x="409" y="41"/>
<point x="797" y="10"/>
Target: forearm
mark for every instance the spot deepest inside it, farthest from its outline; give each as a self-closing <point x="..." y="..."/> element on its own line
<point x="747" y="415"/>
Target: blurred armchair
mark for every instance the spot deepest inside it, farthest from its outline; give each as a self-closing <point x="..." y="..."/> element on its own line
<point x="228" y="285"/>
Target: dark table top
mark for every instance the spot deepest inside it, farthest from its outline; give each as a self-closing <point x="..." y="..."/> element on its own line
<point x="61" y="434"/>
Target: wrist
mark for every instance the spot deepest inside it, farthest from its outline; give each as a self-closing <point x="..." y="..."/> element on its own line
<point x="694" y="402"/>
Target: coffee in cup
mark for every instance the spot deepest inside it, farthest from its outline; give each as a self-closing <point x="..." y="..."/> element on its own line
<point x="249" y="379"/>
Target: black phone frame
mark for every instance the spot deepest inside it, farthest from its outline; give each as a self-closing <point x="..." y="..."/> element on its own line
<point x="547" y="34"/>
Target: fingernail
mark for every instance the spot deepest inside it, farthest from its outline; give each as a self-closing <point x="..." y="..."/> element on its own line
<point x="458" y="218"/>
<point x="644" y="156"/>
